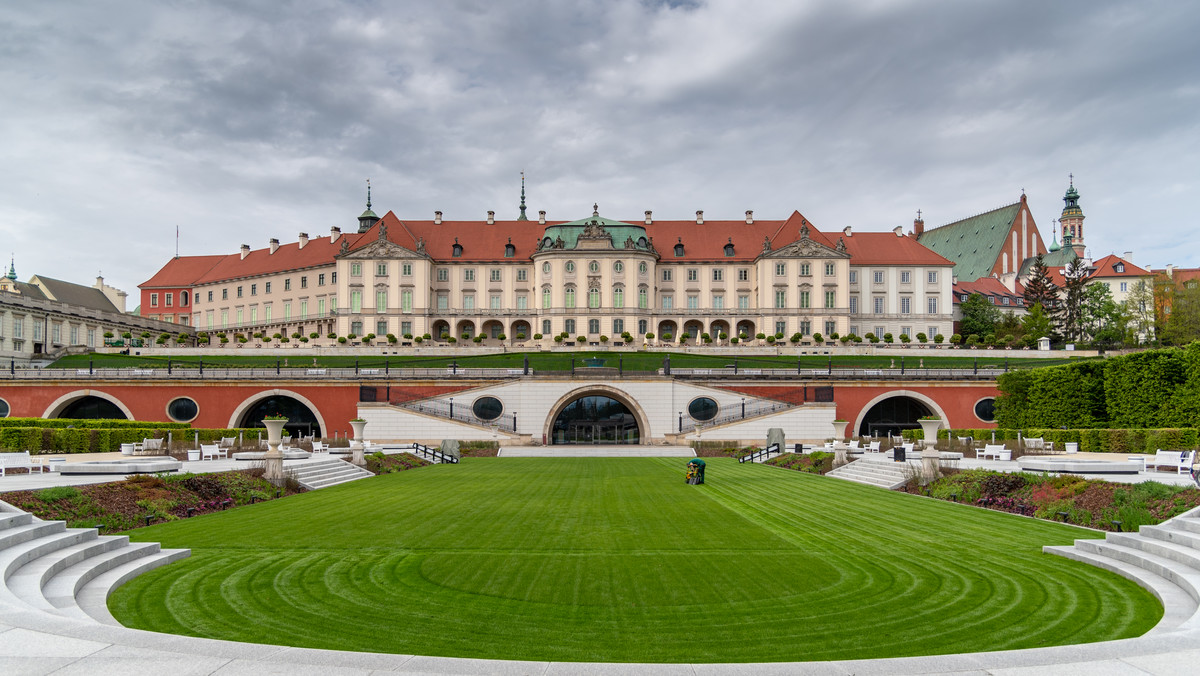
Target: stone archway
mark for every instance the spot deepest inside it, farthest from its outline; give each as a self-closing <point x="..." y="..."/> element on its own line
<point x="307" y="417"/>
<point x="894" y="411"/>
<point x="79" y="398"/>
<point x="602" y="426"/>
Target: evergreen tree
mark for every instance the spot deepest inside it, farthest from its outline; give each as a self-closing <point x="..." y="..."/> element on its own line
<point x="1037" y="323"/>
<point x="1040" y="289"/>
<point x="979" y="317"/>
<point x="1072" y="319"/>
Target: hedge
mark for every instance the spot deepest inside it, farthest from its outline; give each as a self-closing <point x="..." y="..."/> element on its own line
<point x="102" y="440"/>
<point x="1092" y="440"/>
<point x="88" y="423"/>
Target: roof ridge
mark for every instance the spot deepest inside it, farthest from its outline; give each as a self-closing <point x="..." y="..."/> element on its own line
<point x="982" y="213"/>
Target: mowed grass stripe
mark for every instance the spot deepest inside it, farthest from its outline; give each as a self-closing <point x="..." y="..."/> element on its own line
<point x="619" y="560"/>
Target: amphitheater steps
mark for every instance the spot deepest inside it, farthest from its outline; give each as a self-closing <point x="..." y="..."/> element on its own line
<point x="68" y="572"/>
<point x="1164" y="559"/>
<point x="881" y="473"/>
<point x="323" y="473"/>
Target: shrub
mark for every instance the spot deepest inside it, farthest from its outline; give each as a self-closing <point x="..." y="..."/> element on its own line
<point x="939" y="338"/>
<point x="581" y="339"/>
<point x="537" y="336"/>
<point x="795" y="337"/>
<point x="818" y="338"/>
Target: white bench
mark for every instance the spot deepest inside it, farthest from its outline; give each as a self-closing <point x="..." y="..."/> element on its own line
<point x="994" y="451"/>
<point x="1180" y="461"/>
<point x="20" y="461"/>
<point x="318" y="447"/>
<point x="212" y="452"/>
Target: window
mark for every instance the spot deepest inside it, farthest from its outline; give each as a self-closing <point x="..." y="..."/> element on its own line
<point x="642" y="268"/>
<point x="443" y="274"/>
<point x="618" y="267"/>
<point x="829" y="269"/>
<point x="468" y="301"/>
<point x="522" y="302"/>
<point x="743" y="275"/>
<point x="183" y="298"/>
<point x="267" y="312"/>
<point x="992" y="300"/>
<point x="333" y="304"/>
<point x="495" y="274"/>
<point x="643" y="299"/>
<point x="931" y="304"/>
<point x="239" y="316"/>
<point x="879" y="276"/>
<point x="356" y="269"/>
<point x="718" y="302"/>
<point x="304" y="309"/>
<point x="905" y="277"/>
<point x="593" y="326"/>
<point x="406" y="270"/>
<point x="75" y="334"/>
<point x="666" y="276"/>
<point x="210" y="295"/>
<point x="494" y="301"/>
<point x="522" y="275"/>
<point x="320" y="307"/>
<point x="830" y="328"/>
<point x="356" y="328"/>
<point x="879" y="331"/>
<point x="545" y="268"/>
<point x="618" y="297"/>
<point x="569" y="326"/>
<point x="356" y="301"/>
<point x="618" y="326"/>
<point x="569" y="298"/>
<point x="854" y="276"/>
<point x="267" y="287"/>
<point x="405" y="328"/>
<point x="805" y="328"/>
<point x="287" y="284"/>
<point x="933" y="331"/>
<point x="718" y="275"/>
<point x="743" y="302"/>
<point x="905" y="305"/>
<point x="780" y="269"/>
<point x="594" y="267"/>
<point x="878" y="305"/>
<point x="443" y="301"/>
<point x="693" y="274"/>
<point x="406" y="297"/>
<point x="303" y="282"/>
<point x="287" y="313"/>
<point x="170" y="297"/>
<point x="729" y="251"/>
<point x="853" y="305"/>
<point x="905" y="330"/>
<point x="154" y="298"/>
<point x="545" y="326"/>
<point x="933" y="276"/>
<point x="468" y="274"/>
<point x="570" y="267"/>
<point x="1124" y="287"/>
<point x="781" y="327"/>
<point x="643" y="326"/>
<point x="456" y="250"/>
<point x="804" y="299"/>
<point x="854" y="329"/>
<point x="805" y="269"/>
<point x="1005" y="300"/>
<point x="546" y="300"/>
<point x="830" y="299"/>
<point x="679" y="250"/>
<point x="381" y="300"/>
<point x="321" y="279"/>
<point x="693" y="302"/>
<point x="1120" y="267"/>
<point x="253" y="289"/>
<point x="333" y="278"/>
<point x="91" y="337"/>
<point x="224" y="294"/>
<point x="781" y="298"/>
<point x="509" y="249"/>
<point x="668" y="301"/>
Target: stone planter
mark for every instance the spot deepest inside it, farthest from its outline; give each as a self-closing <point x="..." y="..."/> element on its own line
<point x="839" y="429"/>
<point x="930" y="428"/>
<point x="273" y="460"/>
<point x="193" y="455"/>
<point x="930" y="455"/>
<point x="356" y="446"/>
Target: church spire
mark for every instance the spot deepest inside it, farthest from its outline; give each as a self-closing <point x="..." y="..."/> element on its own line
<point x="368" y="217"/>
<point x="522" y="216"/>
<point x="12" y="269"/>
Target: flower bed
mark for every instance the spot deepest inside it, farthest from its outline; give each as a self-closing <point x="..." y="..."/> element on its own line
<point x="817" y="462"/>
<point x="1086" y="502"/>
<point x="709" y="450"/>
<point x="122" y="505"/>
<point x="379" y="463"/>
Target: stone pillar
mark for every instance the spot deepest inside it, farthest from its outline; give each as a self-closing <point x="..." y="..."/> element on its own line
<point x="273" y="461"/>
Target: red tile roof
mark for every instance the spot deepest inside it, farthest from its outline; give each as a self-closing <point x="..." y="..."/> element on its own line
<point x="181" y="271"/>
<point x="885" y="248"/>
<point x="318" y="252"/>
<point x="989" y="287"/>
<point x="1107" y="267"/>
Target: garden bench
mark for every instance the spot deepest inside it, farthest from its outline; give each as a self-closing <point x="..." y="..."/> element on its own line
<point x="872" y="447"/>
<point x="315" y="372"/>
<point x="20" y="461"/>
<point x="994" y="451"/>
<point x="318" y="447"/>
<point x="1180" y="461"/>
<point x="212" y="452"/>
<point x="969" y="442"/>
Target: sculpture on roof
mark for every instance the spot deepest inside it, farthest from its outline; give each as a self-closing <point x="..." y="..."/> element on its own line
<point x="803" y="229"/>
<point x="594" y="230"/>
<point x="629" y="243"/>
<point x="345" y="247"/>
<point x="841" y="245"/>
<point x="421" y="245"/>
<point x="766" y="244"/>
<point x="383" y="231"/>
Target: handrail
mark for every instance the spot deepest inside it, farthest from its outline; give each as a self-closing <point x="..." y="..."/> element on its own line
<point x="751" y="409"/>
<point x="764" y="453"/>
<point x="442" y="408"/>
<point x="432" y="453"/>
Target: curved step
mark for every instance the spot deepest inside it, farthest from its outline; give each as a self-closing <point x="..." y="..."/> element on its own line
<point x="91" y="601"/>
<point x="59" y="591"/>
<point x="26" y="582"/>
<point x="10" y="537"/>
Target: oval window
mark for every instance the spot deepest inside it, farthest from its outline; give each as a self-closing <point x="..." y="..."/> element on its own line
<point x="570" y="266"/>
<point x="546" y="268"/>
<point x="618" y="267"/>
<point x="594" y="266"/>
<point x="702" y="409"/>
<point x="985" y="409"/>
<point x="182" y="409"/>
<point x="487" y="408"/>
<point x="4" y="409"/>
<point x="642" y="268"/>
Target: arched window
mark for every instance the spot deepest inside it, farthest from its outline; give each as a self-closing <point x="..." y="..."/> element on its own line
<point x="679" y="248"/>
<point x="569" y="297"/>
<point x="593" y="298"/>
<point x="618" y="267"/>
<point x="546" y="268"/>
<point x="642" y="243"/>
<point x="457" y="252"/>
<point x="183" y="296"/>
<point x="509" y="249"/>
<point x="729" y="247"/>
<point x="570" y="266"/>
<point x="642" y="268"/>
<point x="594" y="266"/>
<point x="643" y="297"/>
<point x="618" y="297"/>
<point x="547" y="300"/>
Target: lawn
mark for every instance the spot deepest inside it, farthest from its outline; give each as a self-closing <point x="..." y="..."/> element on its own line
<point x="619" y="560"/>
<point x="643" y="360"/>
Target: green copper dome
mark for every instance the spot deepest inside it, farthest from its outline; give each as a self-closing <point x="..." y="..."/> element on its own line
<point x="622" y="235"/>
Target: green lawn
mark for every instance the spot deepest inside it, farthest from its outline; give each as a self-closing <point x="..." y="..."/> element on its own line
<point x="548" y="361"/>
<point x="619" y="560"/>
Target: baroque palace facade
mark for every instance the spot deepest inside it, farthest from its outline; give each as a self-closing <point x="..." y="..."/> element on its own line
<point x="590" y="277"/>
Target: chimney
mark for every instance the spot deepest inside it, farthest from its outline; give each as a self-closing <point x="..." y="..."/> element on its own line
<point x="1128" y="256"/>
<point x="699" y="218"/>
<point x="649" y="218"/>
<point x="303" y="241"/>
<point x="334" y="234"/>
<point x="274" y="245"/>
<point x="491" y="218"/>
<point x="541" y="217"/>
<point x="846" y="231"/>
<point x="1170" y="271"/>
<point x="245" y="251"/>
<point x="918" y="225"/>
<point x="749" y="217"/>
<point x="437" y="218"/>
<point x="899" y="230"/>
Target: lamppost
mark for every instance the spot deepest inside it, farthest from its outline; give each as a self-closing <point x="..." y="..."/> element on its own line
<point x="451" y="407"/>
<point x="743" y="408"/>
<point x="681" y="422"/>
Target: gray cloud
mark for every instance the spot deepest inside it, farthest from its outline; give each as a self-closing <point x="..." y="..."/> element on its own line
<point x="122" y="120"/>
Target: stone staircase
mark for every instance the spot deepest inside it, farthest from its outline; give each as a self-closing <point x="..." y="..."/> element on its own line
<point x="874" y="472"/>
<point x="324" y="473"/>
<point x="68" y="572"/>
<point x="1164" y="559"/>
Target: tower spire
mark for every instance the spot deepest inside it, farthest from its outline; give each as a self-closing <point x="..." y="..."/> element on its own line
<point x="12" y="268"/>
<point x="368" y="194"/>
<point x="522" y="216"/>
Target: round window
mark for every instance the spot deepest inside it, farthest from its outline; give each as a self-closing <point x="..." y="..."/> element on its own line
<point x="642" y="268"/>
<point x="4" y="409"/>
<point x="618" y="267"/>
<point x="570" y="266"/>
<point x="985" y="409"/>
<point x="594" y="266"/>
<point x="702" y="409"/>
<point x="487" y="408"/>
<point x="182" y="409"/>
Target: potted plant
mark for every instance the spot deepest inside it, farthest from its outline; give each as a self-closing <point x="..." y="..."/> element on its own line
<point x="839" y="429"/>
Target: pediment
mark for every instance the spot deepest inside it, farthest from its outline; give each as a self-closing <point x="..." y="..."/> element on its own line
<point x="805" y="248"/>
<point x="381" y="249"/>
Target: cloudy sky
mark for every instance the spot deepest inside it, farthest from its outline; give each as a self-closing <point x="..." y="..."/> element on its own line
<point x="238" y="122"/>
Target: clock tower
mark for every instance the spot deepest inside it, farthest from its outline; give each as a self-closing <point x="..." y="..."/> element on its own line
<point x="1072" y="220"/>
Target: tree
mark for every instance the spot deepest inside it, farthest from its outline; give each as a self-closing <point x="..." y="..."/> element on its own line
<point x="1139" y="308"/>
<point x="1071" y="319"/>
<point x="1037" y="323"/>
<point x="1102" y="320"/>
<point x="979" y="317"/>
<point x="1183" y="316"/>
<point x="1040" y="289"/>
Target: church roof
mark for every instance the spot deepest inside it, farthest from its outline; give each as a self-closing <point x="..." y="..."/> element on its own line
<point x="1051" y="259"/>
<point x="973" y="243"/>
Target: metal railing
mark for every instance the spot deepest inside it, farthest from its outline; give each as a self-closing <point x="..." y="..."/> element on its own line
<point x="445" y="408"/>
<point x="764" y="453"/>
<point x="747" y="410"/>
<point x="423" y="451"/>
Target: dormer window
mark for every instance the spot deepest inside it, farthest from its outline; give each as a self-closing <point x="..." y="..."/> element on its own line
<point x="509" y="249"/>
<point x="547" y="242"/>
<point x="729" y="248"/>
<point x="457" y="252"/>
<point x="642" y="243"/>
<point x="679" y="248"/>
<point x="1120" y="267"/>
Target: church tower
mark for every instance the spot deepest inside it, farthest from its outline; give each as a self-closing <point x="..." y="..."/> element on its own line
<point x="1072" y="221"/>
<point x="368" y="217"/>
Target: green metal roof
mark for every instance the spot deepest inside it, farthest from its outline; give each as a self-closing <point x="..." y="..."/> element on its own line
<point x="973" y="243"/>
<point x="1054" y="259"/>
<point x="618" y="230"/>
